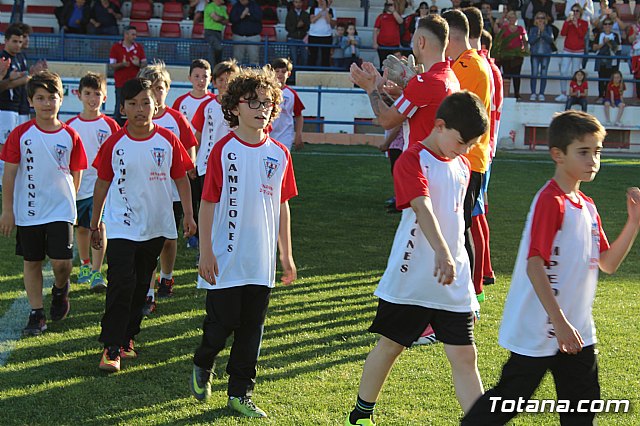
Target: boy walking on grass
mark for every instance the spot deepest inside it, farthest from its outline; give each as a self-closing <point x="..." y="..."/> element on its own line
<point x="287" y="128"/>
<point x="547" y="322"/>
<point x="243" y="213"/>
<point x="44" y="159"/>
<point x="136" y="167"/>
<point x="428" y="279"/>
<point x="94" y="128"/>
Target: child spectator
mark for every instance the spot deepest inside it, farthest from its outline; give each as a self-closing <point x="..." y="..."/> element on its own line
<point x="176" y="123"/>
<point x="44" y="159"/>
<point x="410" y="295"/>
<point x="136" y="166"/>
<point x="287" y="126"/>
<point x="94" y="128"/>
<point x="297" y="25"/>
<point x="574" y="30"/>
<point x="238" y="251"/>
<point x="350" y="44"/>
<point x="578" y="91"/>
<point x="547" y="322"/>
<point x="608" y="43"/>
<point x="614" y="97"/>
<point x="188" y="104"/>
<point x="337" y="54"/>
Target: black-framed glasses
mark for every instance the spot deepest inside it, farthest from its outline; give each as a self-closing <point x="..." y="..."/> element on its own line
<point x="256" y="104"/>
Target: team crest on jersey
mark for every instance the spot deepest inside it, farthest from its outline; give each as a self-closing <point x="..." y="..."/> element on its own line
<point x="61" y="150"/>
<point x="159" y="155"/>
<point x="102" y="136"/>
<point x="270" y="166"/>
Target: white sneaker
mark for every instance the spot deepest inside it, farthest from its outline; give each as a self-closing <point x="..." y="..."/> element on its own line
<point x="561" y="98"/>
<point x="541" y="97"/>
<point x="429" y="339"/>
<point x="533" y="97"/>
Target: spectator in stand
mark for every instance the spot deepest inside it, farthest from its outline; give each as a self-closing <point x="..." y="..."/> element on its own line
<point x="126" y="58"/>
<point x="578" y="91"/>
<point x="413" y="20"/>
<point x="196" y="10"/>
<point x="536" y="6"/>
<point x="386" y="31"/>
<point x="615" y="92"/>
<point x="103" y="18"/>
<point x="608" y="43"/>
<point x="541" y="46"/>
<point x="487" y="17"/>
<point x="574" y="30"/>
<point x="634" y="39"/>
<point x="215" y="18"/>
<point x="320" y="31"/>
<point x="513" y="65"/>
<point x="246" y="25"/>
<point x="402" y="5"/>
<point x="337" y="54"/>
<point x="586" y="5"/>
<point x="618" y="27"/>
<point x="74" y="17"/>
<point x="455" y="4"/>
<point x="350" y="45"/>
<point x="297" y="25"/>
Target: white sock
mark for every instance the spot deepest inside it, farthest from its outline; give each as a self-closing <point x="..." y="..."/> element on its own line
<point x="164" y="276"/>
<point x="151" y="293"/>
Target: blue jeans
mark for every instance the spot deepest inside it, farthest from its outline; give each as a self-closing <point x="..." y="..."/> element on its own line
<point x="214" y="38"/>
<point x="539" y="68"/>
<point x="299" y="52"/>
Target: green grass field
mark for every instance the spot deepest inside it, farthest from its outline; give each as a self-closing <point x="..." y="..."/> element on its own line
<point x="315" y="337"/>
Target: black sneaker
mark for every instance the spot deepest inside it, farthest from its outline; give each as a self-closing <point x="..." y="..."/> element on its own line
<point x="165" y="287"/>
<point x="36" y="325"/>
<point x="59" y="303"/>
<point x="149" y="306"/>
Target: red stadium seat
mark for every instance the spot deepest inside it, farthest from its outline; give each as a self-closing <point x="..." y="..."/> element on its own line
<point x="268" y="32"/>
<point x="346" y="21"/>
<point x="141" y="10"/>
<point x="198" y="31"/>
<point x="41" y="9"/>
<point x="43" y="30"/>
<point x="3" y="26"/>
<point x="170" y="30"/>
<point x="141" y="27"/>
<point x="172" y="12"/>
<point x="269" y="15"/>
<point x="6" y="8"/>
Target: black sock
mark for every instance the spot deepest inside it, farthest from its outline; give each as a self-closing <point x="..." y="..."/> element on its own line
<point x="38" y="312"/>
<point x="362" y="410"/>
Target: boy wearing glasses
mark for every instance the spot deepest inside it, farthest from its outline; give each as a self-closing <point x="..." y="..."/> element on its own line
<point x="243" y="213"/>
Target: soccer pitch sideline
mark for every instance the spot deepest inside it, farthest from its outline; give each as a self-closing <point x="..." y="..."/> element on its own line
<point x="316" y="335"/>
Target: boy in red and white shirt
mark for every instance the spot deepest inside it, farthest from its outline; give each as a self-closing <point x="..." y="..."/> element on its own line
<point x="175" y="122"/>
<point x="547" y="322"/>
<point x="428" y="277"/>
<point x="136" y="168"/>
<point x="287" y="127"/>
<point x="244" y="219"/>
<point x="44" y="159"/>
<point x="94" y="128"/>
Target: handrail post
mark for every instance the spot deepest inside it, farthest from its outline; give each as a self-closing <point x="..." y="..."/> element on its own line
<point x="318" y="124"/>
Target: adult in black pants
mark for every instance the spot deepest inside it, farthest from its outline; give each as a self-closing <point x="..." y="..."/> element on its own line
<point x="320" y="32"/>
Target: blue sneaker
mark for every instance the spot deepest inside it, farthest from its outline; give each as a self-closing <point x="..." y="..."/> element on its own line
<point x="97" y="282"/>
<point x="85" y="274"/>
<point x="193" y="242"/>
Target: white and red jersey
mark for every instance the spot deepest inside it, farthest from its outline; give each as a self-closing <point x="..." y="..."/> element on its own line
<point x="210" y="122"/>
<point x="43" y="191"/>
<point x="408" y="278"/>
<point x="141" y="172"/>
<point x="568" y="236"/>
<point x="93" y="133"/>
<point x="247" y="183"/>
<point x="188" y="104"/>
<point x="497" y="98"/>
<point x="283" y="127"/>
<point x="421" y="98"/>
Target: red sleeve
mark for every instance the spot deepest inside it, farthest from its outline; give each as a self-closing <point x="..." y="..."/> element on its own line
<point x="113" y="124"/>
<point x="407" y="104"/>
<point x="546" y="222"/>
<point x="604" y="242"/>
<point x="114" y="53"/>
<point x="177" y="102"/>
<point x="298" y="106"/>
<point x="409" y="182"/>
<point x="78" y="160"/>
<point x="11" y="151"/>
<point x="212" y="187"/>
<point x="198" y="119"/>
<point x="102" y="162"/>
<point x="186" y="135"/>
<point x="180" y="161"/>
<point x="289" y="187"/>
<point x="378" y="22"/>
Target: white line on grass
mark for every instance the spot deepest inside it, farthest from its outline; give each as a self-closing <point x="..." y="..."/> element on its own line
<point x="14" y="320"/>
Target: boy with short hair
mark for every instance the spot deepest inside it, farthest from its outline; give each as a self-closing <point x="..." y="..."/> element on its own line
<point x="44" y="159"/>
<point x="547" y="322"/>
<point x="135" y="168"/>
<point x="431" y="177"/>
<point x="94" y="128"/>
<point x="251" y="173"/>
<point x="175" y="122"/>
<point x="287" y="127"/>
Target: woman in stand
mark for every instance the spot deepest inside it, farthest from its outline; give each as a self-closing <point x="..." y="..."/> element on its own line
<point x="541" y="44"/>
<point x="320" y="32"/>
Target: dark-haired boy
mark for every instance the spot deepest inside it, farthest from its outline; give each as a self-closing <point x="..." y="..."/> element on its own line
<point x="251" y="173"/>
<point x="428" y="279"/>
<point x="136" y="167"/>
<point x="94" y="128"/>
<point x="547" y="322"/>
<point x="44" y="162"/>
<point x="287" y="127"/>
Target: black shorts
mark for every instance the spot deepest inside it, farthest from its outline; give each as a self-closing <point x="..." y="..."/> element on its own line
<point x="85" y="210"/>
<point x="178" y="215"/>
<point x="470" y="199"/>
<point x="405" y="323"/>
<point x="53" y="239"/>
